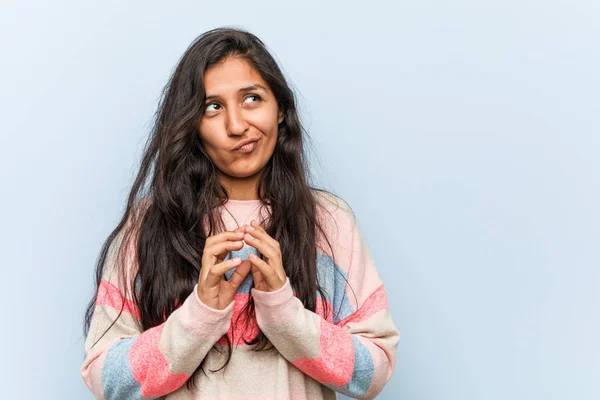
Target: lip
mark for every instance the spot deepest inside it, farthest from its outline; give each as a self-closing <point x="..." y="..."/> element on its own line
<point x="245" y="142"/>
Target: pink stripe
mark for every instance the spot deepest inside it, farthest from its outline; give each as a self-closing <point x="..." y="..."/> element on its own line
<point x="264" y="396"/>
<point x="149" y="366"/>
<point x="336" y="363"/>
<point x="109" y="294"/>
<point x="238" y="327"/>
<point x="238" y="330"/>
<point x="377" y="301"/>
<point x="320" y="309"/>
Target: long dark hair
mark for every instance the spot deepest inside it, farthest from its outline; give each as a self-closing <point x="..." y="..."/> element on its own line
<point x="163" y="224"/>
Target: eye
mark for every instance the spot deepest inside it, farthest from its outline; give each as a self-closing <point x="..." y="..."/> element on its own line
<point x="255" y="96"/>
<point x="211" y="104"/>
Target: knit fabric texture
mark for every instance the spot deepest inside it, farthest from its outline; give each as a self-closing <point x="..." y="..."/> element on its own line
<point x="350" y="349"/>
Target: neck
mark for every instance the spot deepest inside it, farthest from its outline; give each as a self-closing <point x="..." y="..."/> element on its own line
<point x="241" y="188"/>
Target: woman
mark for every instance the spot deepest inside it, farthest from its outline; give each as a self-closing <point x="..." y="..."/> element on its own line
<point x="231" y="277"/>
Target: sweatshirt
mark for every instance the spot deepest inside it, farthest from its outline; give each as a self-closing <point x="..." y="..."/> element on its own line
<point x="350" y="351"/>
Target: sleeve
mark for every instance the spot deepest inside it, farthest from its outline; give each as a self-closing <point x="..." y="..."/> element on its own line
<point x="127" y="363"/>
<point x="354" y="353"/>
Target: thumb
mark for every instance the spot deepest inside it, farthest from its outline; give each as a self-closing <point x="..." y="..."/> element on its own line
<point x="257" y="276"/>
<point x="240" y="273"/>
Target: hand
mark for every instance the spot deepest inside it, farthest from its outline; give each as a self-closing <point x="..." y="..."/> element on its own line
<point x="268" y="274"/>
<point x="213" y="289"/>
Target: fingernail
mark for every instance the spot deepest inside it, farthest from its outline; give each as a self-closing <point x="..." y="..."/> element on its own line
<point x="250" y="228"/>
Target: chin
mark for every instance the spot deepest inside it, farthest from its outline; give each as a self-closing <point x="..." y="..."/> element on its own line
<point x="244" y="173"/>
<point x="247" y="170"/>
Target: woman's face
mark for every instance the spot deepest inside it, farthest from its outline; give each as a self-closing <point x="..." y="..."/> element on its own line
<point x="239" y="106"/>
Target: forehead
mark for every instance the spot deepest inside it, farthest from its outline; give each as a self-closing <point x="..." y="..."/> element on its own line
<point x="229" y="76"/>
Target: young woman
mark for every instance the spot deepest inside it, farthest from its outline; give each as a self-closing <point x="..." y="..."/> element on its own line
<point x="230" y="277"/>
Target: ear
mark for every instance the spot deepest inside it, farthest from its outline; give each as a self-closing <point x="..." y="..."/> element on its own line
<point x="280" y="118"/>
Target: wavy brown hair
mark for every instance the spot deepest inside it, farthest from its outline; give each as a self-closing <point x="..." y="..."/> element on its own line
<point x="162" y="223"/>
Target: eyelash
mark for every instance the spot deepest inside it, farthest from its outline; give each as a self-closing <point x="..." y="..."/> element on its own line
<point x="252" y="95"/>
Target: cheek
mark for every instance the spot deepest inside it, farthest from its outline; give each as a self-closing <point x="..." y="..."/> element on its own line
<point x="212" y="147"/>
<point x="265" y="120"/>
<point x="208" y="133"/>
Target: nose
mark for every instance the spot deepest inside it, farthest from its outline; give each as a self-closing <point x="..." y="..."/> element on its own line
<point x="236" y="123"/>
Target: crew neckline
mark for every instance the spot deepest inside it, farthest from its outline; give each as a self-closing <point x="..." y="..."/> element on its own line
<point x="241" y="202"/>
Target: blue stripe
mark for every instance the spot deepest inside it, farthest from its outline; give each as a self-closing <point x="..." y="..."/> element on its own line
<point x="117" y="377"/>
<point x="331" y="278"/>
<point x="243" y="254"/>
<point x="333" y="282"/>
<point x="363" y="370"/>
<point x="362" y="375"/>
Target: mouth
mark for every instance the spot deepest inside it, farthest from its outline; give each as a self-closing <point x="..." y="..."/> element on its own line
<point x="247" y="146"/>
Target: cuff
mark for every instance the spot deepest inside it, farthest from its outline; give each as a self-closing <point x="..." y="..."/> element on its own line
<point x="212" y="312"/>
<point x="196" y="318"/>
<point x="272" y="299"/>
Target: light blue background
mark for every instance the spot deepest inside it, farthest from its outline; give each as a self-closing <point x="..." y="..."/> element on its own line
<point x="464" y="134"/>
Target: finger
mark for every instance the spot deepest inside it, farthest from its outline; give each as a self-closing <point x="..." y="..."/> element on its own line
<point x="215" y="273"/>
<point x="257" y="277"/>
<point x="261" y="245"/>
<point x="259" y="232"/>
<point x="240" y="273"/>
<point x="216" y="248"/>
<point x="224" y="236"/>
<point x="221" y="248"/>
<point x="256" y="225"/>
<point x="268" y="272"/>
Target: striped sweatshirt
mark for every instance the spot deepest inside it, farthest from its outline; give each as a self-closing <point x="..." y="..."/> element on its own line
<point x="350" y="349"/>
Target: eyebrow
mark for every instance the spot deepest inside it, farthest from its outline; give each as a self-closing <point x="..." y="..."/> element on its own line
<point x="244" y="89"/>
